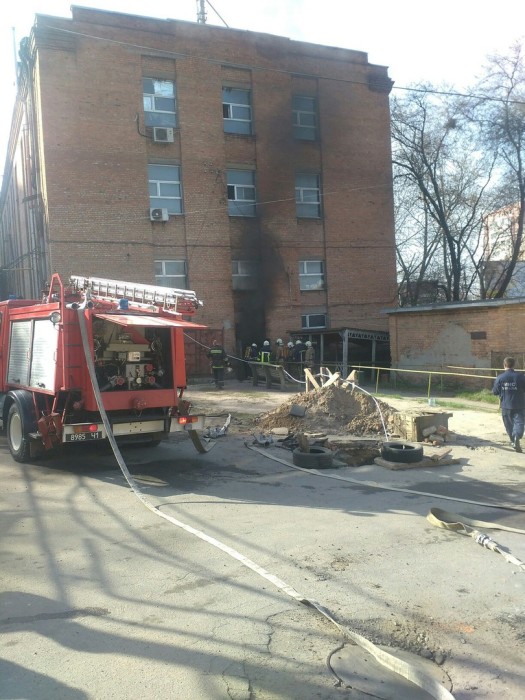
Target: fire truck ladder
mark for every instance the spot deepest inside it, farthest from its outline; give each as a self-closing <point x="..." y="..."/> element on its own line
<point x="182" y="301"/>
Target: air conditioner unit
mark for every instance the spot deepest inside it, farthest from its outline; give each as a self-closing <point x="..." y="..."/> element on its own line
<point x="162" y="134"/>
<point x="159" y="215"/>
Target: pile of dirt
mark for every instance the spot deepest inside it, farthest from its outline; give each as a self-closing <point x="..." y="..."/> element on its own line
<point x="334" y="410"/>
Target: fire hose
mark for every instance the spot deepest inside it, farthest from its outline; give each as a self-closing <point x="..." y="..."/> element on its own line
<point x="466" y="526"/>
<point x="408" y="671"/>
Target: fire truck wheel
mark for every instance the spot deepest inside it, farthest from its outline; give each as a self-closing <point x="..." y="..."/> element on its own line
<point x="17" y="437"/>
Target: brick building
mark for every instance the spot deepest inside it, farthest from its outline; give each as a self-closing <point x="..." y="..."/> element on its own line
<point x="250" y="168"/>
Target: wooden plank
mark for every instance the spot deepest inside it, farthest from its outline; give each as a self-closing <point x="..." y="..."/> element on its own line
<point x="353" y="378"/>
<point x="310" y="379"/>
<point x="333" y="379"/>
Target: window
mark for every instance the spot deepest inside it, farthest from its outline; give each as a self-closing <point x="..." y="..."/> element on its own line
<point x="304" y="114"/>
<point x="244" y="268"/>
<point x="311" y="275"/>
<point x="236" y="111"/>
<point x="165" y="191"/>
<point x="171" y="273"/>
<point x="308" y="196"/>
<point x="245" y="274"/>
<point x="241" y="192"/>
<point x="313" y="321"/>
<point x="159" y="102"/>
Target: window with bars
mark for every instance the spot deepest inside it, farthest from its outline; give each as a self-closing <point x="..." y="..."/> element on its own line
<point x="236" y="110"/>
<point x="241" y="192"/>
<point x="165" y="189"/>
<point x="308" y="195"/>
<point x="311" y="275"/>
<point x="171" y="273"/>
<point x="304" y="118"/>
<point x="160" y="105"/>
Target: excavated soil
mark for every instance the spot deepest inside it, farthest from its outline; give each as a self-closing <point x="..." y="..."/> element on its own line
<point x="334" y="411"/>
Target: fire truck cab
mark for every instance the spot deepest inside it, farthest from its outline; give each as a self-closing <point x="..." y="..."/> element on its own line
<point x="89" y="347"/>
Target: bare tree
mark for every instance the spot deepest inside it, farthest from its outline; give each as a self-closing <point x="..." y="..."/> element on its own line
<point x="416" y="245"/>
<point x="435" y="149"/>
<point x="500" y="113"/>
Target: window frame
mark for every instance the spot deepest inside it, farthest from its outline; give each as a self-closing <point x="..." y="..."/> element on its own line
<point x="300" y="130"/>
<point x="304" y="274"/>
<point x="305" y="207"/>
<point x="166" y="118"/>
<point x="164" y="201"/>
<point x="305" y="324"/>
<point x="235" y="124"/>
<point x="249" y="265"/>
<point x="239" y="204"/>
<point x="165" y="275"/>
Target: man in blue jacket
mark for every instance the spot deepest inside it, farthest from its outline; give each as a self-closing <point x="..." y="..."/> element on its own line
<point x="510" y="387"/>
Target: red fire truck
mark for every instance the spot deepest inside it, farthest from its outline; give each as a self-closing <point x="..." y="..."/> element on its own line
<point x="95" y="355"/>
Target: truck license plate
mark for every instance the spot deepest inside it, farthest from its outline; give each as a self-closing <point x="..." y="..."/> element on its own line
<point x="84" y="437"/>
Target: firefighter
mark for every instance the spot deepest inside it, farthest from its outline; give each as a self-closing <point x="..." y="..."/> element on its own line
<point x="298" y="351"/>
<point x="218" y="359"/>
<point x="288" y="355"/>
<point x="251" y="354"/>
<point x="309" y="356"/>
<point x="265" y="354"/>
<point x="279" y="351"/>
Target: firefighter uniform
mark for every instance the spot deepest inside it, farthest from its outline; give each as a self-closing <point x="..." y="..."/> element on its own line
<point x="217" y="356"/>
<point x="265" y="354"/>
<point x="309" y="355"/>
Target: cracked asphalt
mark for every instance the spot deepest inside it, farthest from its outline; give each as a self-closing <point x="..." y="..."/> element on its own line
<point x="102" y="599"/>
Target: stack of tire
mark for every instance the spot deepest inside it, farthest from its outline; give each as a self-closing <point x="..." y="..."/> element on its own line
<point x="317" y="458"/>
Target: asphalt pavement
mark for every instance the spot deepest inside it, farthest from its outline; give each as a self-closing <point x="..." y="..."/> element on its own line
<point x="101" y="598"/>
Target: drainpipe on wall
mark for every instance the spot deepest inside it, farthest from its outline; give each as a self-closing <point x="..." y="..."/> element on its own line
<point x="34" y="211"/>
<point x="345" y="353"/>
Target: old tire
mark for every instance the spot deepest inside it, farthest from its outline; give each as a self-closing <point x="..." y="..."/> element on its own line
<point x="403" y="452"/>
<point x="317" y="458"/>
<point x="17" y="437"/>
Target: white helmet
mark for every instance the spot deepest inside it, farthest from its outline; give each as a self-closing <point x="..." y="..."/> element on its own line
<point x="298" y="342"/>
<point x="254" y="345"/>
<point x="308" y="344"/>
<point x="279" y="341"/>
<point x="290" y="344"/>
<point x="266" y="342"/>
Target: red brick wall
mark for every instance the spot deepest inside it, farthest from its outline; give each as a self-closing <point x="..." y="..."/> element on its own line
<point x="440" y="338"/>
<point x="95" y="166"/>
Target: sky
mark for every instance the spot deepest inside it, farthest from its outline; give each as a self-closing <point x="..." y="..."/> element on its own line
<point x="445" y="42"/>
